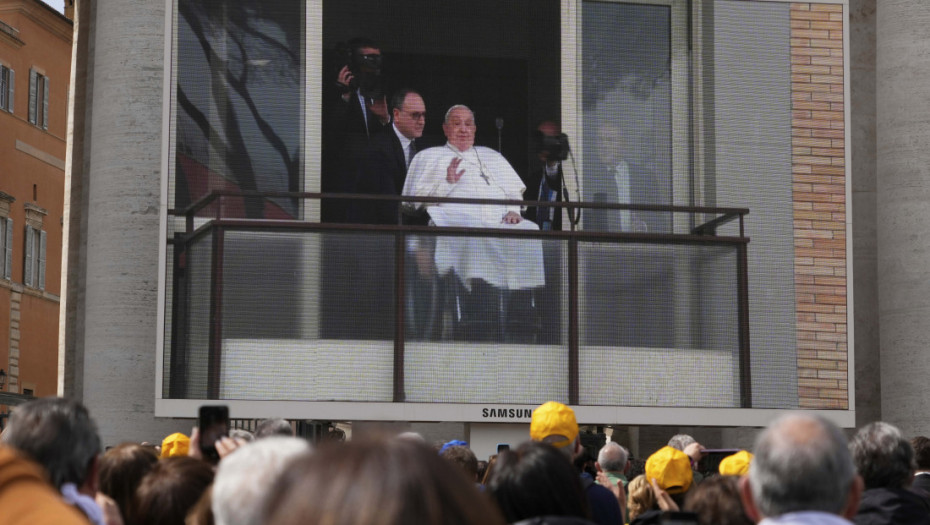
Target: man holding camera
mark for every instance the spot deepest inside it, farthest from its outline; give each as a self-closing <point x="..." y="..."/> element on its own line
<point x="545" y="182"/>
<point x="354" y="110"/>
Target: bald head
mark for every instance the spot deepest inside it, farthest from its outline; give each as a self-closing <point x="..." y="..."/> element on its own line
<point x="802" y="463"/>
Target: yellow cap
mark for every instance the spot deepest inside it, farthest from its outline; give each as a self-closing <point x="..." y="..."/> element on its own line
<point x="554" y="419"/>
<point x="176" y="444"/>
<point x="671" y="469"/>
<point x="735" y="464"/>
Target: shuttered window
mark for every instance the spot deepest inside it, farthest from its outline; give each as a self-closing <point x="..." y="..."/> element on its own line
<point x="7" y="84"/>
<point x="34" y="260"/>
<point x="6" y="248"/>
<point x="38" y="99"/>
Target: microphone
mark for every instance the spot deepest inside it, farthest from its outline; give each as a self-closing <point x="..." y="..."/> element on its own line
<point x="499" y="123"/>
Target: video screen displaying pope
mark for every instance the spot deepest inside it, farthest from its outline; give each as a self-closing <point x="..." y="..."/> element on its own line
<point x="461" y="169"/>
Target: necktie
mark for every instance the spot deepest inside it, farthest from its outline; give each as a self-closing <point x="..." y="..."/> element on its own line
<point x="411" y="151"/>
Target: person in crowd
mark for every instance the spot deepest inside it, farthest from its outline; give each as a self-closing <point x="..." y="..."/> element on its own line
<point x="802" y="473"/>
<point x="202" y="511"/>
<point x="735" y="464"/>
<point x="241" y="434"/>
<point x="885" y="460"/>
<point x="383" y="168"/>
<point x="716" y="501"/>
<point x="26" y="498"/>
<point x="60" y="435"/>
<point x="120" y="471"/>
<point x="921" y="483"/>
<point x="170" y="490"/>
<point x="536" y="480"/>
<point x="482" y="469"/>
<point x="244" y="478"/>
<point x="640" y="498"/>
<point x="273" y="427"/>
<point x="376" y="480"/>
<point x="463" y="458"/>
<point x="691" y="448"/>
<point x="668" y="472"/>
<point x="554" y="423"/>
<point x="613" y="461"/>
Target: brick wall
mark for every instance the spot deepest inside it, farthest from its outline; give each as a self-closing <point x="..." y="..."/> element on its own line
<point x="819" y="183"/>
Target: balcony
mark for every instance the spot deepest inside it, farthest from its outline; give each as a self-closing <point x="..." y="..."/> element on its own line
<point x="296" y="310"/>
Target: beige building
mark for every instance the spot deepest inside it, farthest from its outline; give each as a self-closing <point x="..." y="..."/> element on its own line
<point x="35" y="70"/>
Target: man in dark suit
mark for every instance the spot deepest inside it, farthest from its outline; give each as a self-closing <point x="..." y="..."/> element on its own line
<point x="354" y="111"/>
<point x="383" y="168"/>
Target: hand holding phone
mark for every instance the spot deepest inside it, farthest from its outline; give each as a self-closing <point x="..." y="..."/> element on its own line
<point x="213" y="424"/>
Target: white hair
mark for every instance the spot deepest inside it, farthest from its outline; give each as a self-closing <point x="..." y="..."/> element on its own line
<point x="244" y="478"/>
<point x="445" y="119"/>
<point x="613" y="457"/>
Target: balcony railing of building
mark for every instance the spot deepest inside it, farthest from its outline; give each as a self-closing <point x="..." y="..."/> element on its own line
<point x="261" y="308"/>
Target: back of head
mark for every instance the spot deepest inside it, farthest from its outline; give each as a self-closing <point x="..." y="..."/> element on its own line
<point x="463" y="458"/>
<point x="716" y="501"/>
<point x="243" y="479"/>
<point x="671" y="469"/>
<point x="640" y="497"/>
<point x="882" y="456"/>
<point x="380" y="481"/>
<point x="555" y="424"/>
<point x="921" y="445"/>
<point x="58" y="434"/>
<point x="121" y="469"/>
<point x="680" y="441"/>
<point x="273" y="427"/>
<point x="801" y="463"/>
<point x="170" y="490"/>
<point x="536" y="480"/>
<point x="612" y="457"/>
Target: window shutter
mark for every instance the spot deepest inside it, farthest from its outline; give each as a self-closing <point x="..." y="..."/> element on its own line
<point x="32" y="96"/>
<point x="27" y="265"/>
<point x="45" y="104"/>
<point x="41" y="264"/>
<point x="11" y="86"/>
<point x="8" y="248"/>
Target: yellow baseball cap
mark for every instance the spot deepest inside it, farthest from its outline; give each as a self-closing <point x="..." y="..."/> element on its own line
<point x="735" y="464"/>
<point x="554" y="419"/>
<point x="671" y="469"/>
<point x="176" y="444"/>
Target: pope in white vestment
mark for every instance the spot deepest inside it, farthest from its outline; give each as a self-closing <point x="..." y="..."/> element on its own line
<point x="460" y="169"/>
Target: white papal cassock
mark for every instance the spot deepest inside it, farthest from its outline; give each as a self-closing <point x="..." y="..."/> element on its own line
<point x="506" y="263"/>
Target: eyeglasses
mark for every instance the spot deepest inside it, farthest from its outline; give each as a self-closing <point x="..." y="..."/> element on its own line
<point x="416" y="116"/>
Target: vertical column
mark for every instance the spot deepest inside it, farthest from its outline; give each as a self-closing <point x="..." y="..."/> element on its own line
<point x="903" y="210"/>
<point x="115" y="175"/>
<point x="819" y="182"/>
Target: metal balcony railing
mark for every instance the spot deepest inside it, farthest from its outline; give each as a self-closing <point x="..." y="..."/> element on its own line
<point x="677" y="262"/>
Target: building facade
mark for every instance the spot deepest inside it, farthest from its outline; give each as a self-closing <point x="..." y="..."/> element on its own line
<point x="35" y="69"/>
<point x="789" y="109"/>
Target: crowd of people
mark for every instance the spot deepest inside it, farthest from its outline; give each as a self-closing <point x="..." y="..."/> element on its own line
<point x="802" y="470"/>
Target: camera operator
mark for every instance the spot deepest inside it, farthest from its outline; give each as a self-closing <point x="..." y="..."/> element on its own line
<point x="545" y="182"/>
<point x="354" y="110"/>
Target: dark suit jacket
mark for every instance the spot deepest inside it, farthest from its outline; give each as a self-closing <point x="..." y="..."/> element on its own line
<point x="345" y="139"/>
<point x="382" y="171"/>
<point x="645" y="188"/>
<point x="533" y="181"/>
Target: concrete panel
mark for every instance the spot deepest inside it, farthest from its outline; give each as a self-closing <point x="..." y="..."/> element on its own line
<point x="120" y="178"/>
<point x="903" y="209"/>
